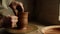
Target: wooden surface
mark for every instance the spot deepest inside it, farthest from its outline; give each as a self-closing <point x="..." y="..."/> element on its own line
<point x="51" y="29"/>
<point x="30" y="28"/>
<point x="33" y="31"/>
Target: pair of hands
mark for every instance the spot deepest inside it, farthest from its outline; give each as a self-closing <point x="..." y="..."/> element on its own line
<point x="16" y="7"/>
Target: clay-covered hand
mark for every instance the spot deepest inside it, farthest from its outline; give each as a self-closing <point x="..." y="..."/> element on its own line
<point x="14" y="20"/>
<point x="15" y="5"/>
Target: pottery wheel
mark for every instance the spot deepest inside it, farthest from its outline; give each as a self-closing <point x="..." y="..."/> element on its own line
<point x="55" y="29"/>
<point x="30" y="28"/>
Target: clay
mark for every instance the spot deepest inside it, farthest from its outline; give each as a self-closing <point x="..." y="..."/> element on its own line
<point x="23" y="20"/>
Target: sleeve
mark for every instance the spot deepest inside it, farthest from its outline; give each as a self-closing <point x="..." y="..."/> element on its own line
<point x="5" y="3"/>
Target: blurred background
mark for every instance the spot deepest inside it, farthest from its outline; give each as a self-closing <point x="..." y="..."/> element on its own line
<point x="41" y="12"/>
<point x="44" y="12"/>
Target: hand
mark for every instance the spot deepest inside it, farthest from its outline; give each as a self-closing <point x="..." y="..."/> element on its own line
<point x="14" y="20"/>
<point x="16" y="6"/>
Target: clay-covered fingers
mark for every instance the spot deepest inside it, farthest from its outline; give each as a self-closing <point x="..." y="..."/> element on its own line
<point x="17" y="6"/>
<point x="21" y="4"/>
<point x="14" y="20"/>
<point x="13" y="5"/>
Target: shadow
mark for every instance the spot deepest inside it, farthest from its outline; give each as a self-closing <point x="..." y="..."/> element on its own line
<point x="4" y="31"/>
<point x="41" y="22"/>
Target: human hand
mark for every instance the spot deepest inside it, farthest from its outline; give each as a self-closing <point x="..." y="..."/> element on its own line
<point x="14" y="20"/>
<point x="16" y="6"/>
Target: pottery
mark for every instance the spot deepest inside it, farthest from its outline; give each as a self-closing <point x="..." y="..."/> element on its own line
<point x="23" y="20"/>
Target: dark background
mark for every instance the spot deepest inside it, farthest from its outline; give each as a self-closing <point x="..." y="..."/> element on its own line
<point x="42" y="11"/>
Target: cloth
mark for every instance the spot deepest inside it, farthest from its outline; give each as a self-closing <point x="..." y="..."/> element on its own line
<point x="6" y="10"/>
<point x="5" y="3"/>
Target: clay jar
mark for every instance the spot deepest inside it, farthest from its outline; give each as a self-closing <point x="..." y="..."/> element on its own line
<point x="23" y="20"/>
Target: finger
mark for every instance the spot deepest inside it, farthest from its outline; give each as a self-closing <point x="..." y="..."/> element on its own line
<point x="13" y="17"/>
<point x="21" y="4"/>
<point x="13" y="5"/>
